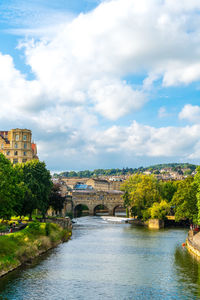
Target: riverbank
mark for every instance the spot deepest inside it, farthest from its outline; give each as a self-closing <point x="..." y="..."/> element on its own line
<point x="193" y="243"/>
<point x="23" y="246"/>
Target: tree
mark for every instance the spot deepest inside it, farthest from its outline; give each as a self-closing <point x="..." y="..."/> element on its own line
<point x="197" y="182"/>
<point x="141" y="191"/>
<point x="159" y="210"/>
<point x="9" y="188"/>
<point x="167" y="190"/>
<point x="56" y="200"/>
<point x="37" y="186"/>
<point x="185" y="200"/>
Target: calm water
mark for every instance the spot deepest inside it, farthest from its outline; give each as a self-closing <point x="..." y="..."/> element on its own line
<point x="104" y="260"/>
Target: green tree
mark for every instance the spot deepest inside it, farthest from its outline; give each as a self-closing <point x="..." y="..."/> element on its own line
<point x="56" y="200"/>
<point x="159" y="210"/>
<point x="197" y="182"/>
<point x="185" y="200"/>
<point x="167" y="190"/>
<point x="141" y="191"/>
<point x="9" y="188"/>
<point x="37" y="186"/>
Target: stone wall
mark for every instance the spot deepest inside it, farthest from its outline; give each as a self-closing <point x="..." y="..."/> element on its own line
<point x="155" y="224"/>
<point x="193" y="243"/>
<point x="65" y="223"/>
<point x="137" y="222"/>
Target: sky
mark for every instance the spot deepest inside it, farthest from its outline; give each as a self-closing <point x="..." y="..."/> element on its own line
<point x="102" y="84"/>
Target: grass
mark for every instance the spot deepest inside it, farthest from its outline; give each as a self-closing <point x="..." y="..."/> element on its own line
<point x="28" y="243"/>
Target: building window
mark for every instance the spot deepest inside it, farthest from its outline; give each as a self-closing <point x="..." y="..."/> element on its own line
<point x="17" y="137"/>
<point x="24" y="153"/>
<point x="24" y="160"/>
<point x="24" y="137"/>
<point x="2" y="146"/>
<point x="15" y="152"/>
<point x="16" y="145"/>
<point x="15" y="161"/>
<point x="25" y="145"/>
<point x="7" y="152"/>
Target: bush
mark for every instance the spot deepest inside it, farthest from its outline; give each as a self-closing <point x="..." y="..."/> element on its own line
<point x="34" y="228"/>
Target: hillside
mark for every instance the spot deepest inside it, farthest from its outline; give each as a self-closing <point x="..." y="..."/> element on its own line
<point x="180" y="167"/>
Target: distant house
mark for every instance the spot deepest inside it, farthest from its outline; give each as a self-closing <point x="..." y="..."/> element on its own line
<point x="147" y="172"/>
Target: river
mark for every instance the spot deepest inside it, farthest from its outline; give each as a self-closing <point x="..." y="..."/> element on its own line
<point x="108" y="260"/>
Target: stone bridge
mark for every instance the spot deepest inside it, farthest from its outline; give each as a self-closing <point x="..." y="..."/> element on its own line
<point x="110" y="200"/>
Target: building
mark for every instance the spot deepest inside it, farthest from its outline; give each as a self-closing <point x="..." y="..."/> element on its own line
<point x="71" y="182"/>
<point x="115" y="184"/>
<point x="98" y="184"/>
<point x="17" y="145"/>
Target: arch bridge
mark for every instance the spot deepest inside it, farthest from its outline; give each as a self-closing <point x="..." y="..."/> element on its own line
<point x="107" y="201"/>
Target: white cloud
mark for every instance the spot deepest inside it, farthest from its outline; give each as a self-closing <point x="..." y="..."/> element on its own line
<point x="79" y="70"/>
<point x="84" y="60"/>
<point x="117" y="38"/>
<point x="140" y="140"/>
<point x="190" y="113"/>
<point x="16" y="92"/>
<point x="115" y="98"/>
<point x="131" y="144"/>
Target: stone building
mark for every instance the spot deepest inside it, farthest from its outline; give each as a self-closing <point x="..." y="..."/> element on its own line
<point x="115" y="184"/>
<point x="72" y="182"/>
<point x="99" y="184"/>
<point x="17" y="146"/>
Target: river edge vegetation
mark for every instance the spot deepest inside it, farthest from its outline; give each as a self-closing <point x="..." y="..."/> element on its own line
<point x="145" y="197"/>
<point x="25" y="245"/>
<point x="24" y="189"/>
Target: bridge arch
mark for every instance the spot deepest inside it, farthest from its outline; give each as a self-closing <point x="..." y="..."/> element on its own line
<point x="81" y="210"/>
<point x="119" y="210"/>
<point x="101" y="210"/>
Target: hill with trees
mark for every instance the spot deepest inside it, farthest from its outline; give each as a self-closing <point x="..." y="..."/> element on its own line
<point x="185" y="168"/>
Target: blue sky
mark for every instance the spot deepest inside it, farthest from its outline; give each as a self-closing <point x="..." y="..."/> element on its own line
<point x="103" y="84"/>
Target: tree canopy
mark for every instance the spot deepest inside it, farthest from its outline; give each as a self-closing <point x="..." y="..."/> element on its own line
<point x="147" y="197"/>
<point x="9" y="188"/>
<point x="23" y="188"/>
<point x="56" y="200"/>
<point x="184" y="200"/>
<point x="141" y="191"/>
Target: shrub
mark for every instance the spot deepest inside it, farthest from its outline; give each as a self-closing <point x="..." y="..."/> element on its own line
<point x="34" y="228"/>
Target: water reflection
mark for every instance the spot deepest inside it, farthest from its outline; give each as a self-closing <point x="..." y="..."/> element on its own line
<point x="188" y="270"/>
<point x="109" y="260"/>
